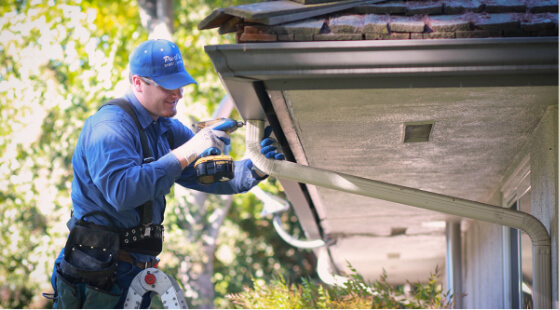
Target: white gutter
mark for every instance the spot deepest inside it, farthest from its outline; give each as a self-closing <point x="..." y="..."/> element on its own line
<point x="414" y="197"/>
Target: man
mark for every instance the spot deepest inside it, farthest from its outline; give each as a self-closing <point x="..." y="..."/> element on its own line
<point x="118" y="191"/>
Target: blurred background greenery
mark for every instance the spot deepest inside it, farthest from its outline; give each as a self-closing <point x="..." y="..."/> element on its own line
<point x="61" y="60"/>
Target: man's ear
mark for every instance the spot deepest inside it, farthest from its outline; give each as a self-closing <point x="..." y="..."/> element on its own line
<point x="137" y="83"/>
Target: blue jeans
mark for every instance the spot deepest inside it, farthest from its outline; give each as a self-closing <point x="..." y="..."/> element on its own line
<point x="79" y="295"/>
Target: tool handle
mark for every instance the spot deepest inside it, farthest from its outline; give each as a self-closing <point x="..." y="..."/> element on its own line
<point x="210" y="151"/>
<point x="224" y="124"/>
<point x="228" y="125"/>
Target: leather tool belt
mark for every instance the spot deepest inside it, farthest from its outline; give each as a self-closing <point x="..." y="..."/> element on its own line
<point x="126" y="257"/>
<point x="142" y="239"/>
<point x="91" y="254"/>
<point x="92" y="251"/>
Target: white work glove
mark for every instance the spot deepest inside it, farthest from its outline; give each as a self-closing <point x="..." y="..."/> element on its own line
<point x="203" y="140"/>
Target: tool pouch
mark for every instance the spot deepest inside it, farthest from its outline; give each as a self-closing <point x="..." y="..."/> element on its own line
<point x="137" y="240"/>
<point x="91" y="254"/>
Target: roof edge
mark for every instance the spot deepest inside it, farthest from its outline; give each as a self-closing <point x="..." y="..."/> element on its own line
<point x="269" y="61"/>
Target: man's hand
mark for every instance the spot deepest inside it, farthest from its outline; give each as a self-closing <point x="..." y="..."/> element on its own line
<point x="269" y="146"/>
<point x="269" y="149"/>
<point x="203" y="140"/>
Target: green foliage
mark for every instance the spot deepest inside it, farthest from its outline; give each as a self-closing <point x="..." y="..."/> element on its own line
<point x="246" y="244"/>
<point x="60" y="61"/>
<point x="256" y="248"/>
<point x="429" y="294"/>
<point x="356" y="293"/>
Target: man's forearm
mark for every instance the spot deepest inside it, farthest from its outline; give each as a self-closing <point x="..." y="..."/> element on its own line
<point x="181" y="158"/>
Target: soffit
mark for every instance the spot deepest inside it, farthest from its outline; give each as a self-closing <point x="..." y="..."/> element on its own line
<point x="477" y="133"/>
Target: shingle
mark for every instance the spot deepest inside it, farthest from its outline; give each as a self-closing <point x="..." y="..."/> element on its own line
<point x="448" y="23"/>
<point x="284" y="11"/>
<point x="303" y="37"/>
<point x="505" y="6"/>
<point x="389" y="36"/>
<point x="265" y="9"/>
<point x="539" y="24"/>
<point x="478" y="34"/>
<point x="439" y="35"/>
<point x="396" y="7"/>
<point x="338" y="37"/>
<point x="454" y="7"/>
<point x="397" y="36"/>
<point x="309" y="26"/>
<point x="214" y="20"/>
<point x="257" y="37"/>
<point x="406" y="24"/>
<point x="374" y="23"/>
<point x="286" y="37"/>
<point x="396" y="20"/>
<point x="307" y="2"/>
<point x="346" y="24"/>
<point x="230" y="25"/>
<point x="424" y="8"/>
<point x="496" y="22"/>
<point x="545" y="6"/>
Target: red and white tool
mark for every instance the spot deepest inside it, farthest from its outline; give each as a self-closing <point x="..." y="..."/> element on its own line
<point x="155" y="280"/>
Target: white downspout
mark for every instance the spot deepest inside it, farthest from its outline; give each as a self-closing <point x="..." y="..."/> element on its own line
<point x="274" y="206"/>
<point x="454" y="262"/>
<point x="414" y="197"/>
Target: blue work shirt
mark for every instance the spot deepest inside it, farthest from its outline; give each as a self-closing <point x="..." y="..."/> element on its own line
<point x="109" y="175"/>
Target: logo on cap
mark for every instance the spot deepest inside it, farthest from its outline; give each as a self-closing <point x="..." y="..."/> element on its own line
<point x="170" y="60"/>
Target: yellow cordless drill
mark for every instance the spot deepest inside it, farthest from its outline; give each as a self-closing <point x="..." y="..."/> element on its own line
<point x="212" y="166"/>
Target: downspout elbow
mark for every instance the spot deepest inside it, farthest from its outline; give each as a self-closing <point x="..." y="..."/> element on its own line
<point x="536" y="230"/>
<point x="254" y="134"/>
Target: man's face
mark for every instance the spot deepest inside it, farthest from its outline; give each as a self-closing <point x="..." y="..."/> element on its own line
<point x="157" y="100"/>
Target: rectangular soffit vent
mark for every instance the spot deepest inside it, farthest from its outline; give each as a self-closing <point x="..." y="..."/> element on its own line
<point x="418" y="131"/>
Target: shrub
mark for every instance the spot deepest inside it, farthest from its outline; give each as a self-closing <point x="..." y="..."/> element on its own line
<point x="355" y="293"/>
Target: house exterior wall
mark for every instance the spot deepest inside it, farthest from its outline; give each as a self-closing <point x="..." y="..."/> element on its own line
<point x="483" y="272"/>
<point x="483" y="249"/>
<point x="543" y="165"/>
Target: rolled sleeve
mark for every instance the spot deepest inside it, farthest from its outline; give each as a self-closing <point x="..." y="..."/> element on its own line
<point x="171" y="166"/>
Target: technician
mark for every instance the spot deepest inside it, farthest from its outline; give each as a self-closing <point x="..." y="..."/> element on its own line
<point x="118" y="194"/>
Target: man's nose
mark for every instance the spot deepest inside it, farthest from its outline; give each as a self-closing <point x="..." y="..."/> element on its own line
<point x="177" y="93"/>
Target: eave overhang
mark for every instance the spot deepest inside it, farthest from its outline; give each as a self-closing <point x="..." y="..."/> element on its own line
<point x="252" y="72"/>
<point x="370" y="59"/>
<point x="385" y="64"/>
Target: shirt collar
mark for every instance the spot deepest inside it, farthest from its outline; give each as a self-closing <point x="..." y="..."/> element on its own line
<point x="143" y="115"/>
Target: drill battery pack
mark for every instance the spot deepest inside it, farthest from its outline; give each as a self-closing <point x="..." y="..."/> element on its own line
<point x="216" y="168"/>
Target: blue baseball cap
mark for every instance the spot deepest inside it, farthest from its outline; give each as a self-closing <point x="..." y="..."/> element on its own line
<point x="161" y="61"/>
